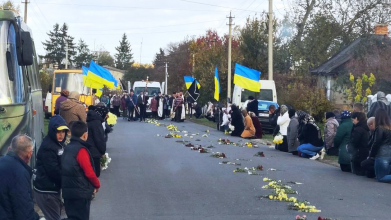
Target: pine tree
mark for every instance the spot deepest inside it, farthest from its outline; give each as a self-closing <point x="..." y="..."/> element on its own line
<point x="123" y="59"/>
<point x="84" y="55"/>
<point x="55" y="47"/>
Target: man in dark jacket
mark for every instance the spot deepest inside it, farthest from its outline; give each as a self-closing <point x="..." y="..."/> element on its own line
<point x="131" y="101"/>
<point x="16" y="201"/>
<point x="79" y="181"/>
<point x="47" y="182"/>
<point x="95" y="117"/>
<point x="142" y="101"/>
<point x="252" y="105"/>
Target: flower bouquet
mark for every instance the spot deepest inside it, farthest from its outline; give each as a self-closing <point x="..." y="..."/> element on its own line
<point x="230" y="163"/>
<point x="303" y="207"/>
<point x="104" y="161"/>
<point x="298" y="217"/>
<point x="259" y="154"/>
<point x="278" y="139"/>
<point x="189" y="145"/>
<point x="172" y="128"/>
<point x="218" y="155"/>
<point x="199" y="149"/>
<point x="250" y="144"/>
<point x="112" y="119"/>
<point x="240" y="170"/>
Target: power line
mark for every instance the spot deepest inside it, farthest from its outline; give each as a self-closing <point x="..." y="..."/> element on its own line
<point x="122" y="29"/>
<point x="122" y="7"/>
<point x="220" y="6"/>
<point x="35" y="2"/>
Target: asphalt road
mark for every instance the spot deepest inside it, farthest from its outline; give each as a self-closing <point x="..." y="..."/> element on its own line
<point x="153" y="177"/>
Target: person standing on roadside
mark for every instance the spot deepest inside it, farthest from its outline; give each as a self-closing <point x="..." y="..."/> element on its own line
<point x="96" y="134"/>
<point x="178" y="103"/>
<point x="72" y="109"/>
<point x="47" y="182"/>
<point x="64" y="96"/>
<point x="79" y="181"/>
<point x="131" y="101"/>
<point x="16" y="201"/>
<point x="116" y="101"/>
<point x="141" y="102"/>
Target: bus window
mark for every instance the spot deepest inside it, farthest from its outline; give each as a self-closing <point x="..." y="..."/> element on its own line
<point x="70" y="82"/>
<point x="11" y="92"/>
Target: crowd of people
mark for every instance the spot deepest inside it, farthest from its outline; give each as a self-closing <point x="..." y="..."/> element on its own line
<point x="67" y="164"/>
<point x="361" y="141"/>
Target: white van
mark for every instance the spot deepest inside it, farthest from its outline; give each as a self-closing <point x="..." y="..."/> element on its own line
<point x="153" y="88"/>
<point x="267" y="93"/>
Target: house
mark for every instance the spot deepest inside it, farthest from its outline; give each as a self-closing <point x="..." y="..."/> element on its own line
<point x="367" y="54"/>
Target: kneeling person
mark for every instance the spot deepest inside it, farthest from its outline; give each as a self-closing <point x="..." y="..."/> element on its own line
<point x="79" y="180"/>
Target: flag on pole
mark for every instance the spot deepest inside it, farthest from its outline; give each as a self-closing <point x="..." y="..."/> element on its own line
<point x="247" y="78"/>
<point x="101" y="75"/>
<point x="194" y="91"/>
<point x="189" y="80"/>
<point x="88" y="81"/>
<point x="217" y="85"/>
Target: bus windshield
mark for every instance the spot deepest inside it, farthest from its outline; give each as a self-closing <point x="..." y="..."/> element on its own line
<point x="12" y="88"/>
<point x="150" y="90"/>
<point x="70" y="82"/>
<point x="264" y="94"/>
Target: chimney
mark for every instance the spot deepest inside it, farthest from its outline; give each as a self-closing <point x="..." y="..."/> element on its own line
<point x="381" y="29"/>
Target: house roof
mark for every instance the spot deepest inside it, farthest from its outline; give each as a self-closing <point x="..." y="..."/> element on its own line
<point x="113" y="68"/>
<point x="342" y="56"/>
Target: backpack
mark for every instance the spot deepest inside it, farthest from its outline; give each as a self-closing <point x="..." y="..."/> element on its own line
<point x="116" y="101"/>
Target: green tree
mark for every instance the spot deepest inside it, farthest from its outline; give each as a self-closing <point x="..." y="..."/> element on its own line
<point x="10" y="5"/>
<point x="104" y="58"/>
<point x="56" y="45"/>
<point x="84" y="55"/>
<point x="46" y="80"/>
<point x="139" y="73"/>
<point x="124" y="56"/>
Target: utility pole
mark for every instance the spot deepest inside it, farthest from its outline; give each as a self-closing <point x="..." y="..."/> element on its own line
<point x="66" y="54"/>
<point x="270" y="46"/>
<point x="141" y="49"/>
<point x="25" y="10"/>
<point x="192" y="69"/>
<point x="165" y="85"/>
<point x="229" y="57"/>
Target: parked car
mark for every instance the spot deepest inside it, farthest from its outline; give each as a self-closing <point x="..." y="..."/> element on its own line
<point x="263" y="115"/>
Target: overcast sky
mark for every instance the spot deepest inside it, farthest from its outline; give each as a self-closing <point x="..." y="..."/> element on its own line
<point x="155" y="23"/>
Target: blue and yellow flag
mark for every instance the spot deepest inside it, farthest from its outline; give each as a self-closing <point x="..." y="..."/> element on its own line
<point x="189" y="80"/>
<point x="88" y="81"/>
<point x="247" y="78"/>
<point x="101" y="75"/>
<point x="99" y="92"/>
<point x="217" y="85"/>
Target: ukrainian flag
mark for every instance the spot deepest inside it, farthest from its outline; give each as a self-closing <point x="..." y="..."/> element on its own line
<point x="99" y="92"/>
<point x="217" y="85"/>
<point x="101" y="75"/>
<point x="247" y="78"/>
<point x="189" y="80"/>
<point x="88" y="81"/>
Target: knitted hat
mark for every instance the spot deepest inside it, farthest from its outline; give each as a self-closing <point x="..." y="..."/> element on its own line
<point x="283" y="109"/>
<point x="74" y="95"/>
<point x="329" y="115"/>
<point x="346" y="114"/>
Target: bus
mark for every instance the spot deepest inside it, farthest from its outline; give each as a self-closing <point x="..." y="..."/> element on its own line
<point x="21" y="107"/>
<point x="71" y="80"/>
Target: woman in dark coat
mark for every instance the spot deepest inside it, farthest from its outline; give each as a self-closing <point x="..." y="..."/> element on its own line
<point x="381" y="150"/>
<point x="257" y="125"/>
<point x="341" y="139"/>
<point x="358" y="145"/>
<point x="237" y="121"/>
<point x="96" y="135"/>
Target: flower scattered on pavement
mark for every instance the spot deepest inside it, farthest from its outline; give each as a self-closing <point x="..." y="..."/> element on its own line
<point x="230" y="163"/>
<point x="218" y="155"/>
<point x="259" y="154"/>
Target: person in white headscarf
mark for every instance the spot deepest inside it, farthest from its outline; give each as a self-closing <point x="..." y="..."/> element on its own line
<point x="283" y="122"/>
<point x="381" y="103"/>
